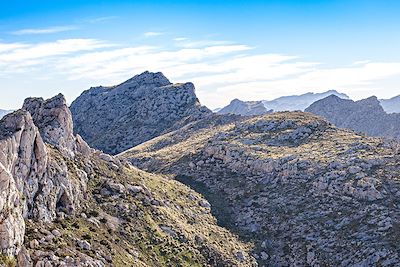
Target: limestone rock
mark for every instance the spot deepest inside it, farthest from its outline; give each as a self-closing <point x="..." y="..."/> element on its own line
<point x="54" y="120"/>
<point x="34" y="184"/>
<point x="116" y="118"/>
<point x="304" y="191"/>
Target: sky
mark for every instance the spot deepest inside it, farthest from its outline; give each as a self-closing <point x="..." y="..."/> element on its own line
<point x="251" y="50"/>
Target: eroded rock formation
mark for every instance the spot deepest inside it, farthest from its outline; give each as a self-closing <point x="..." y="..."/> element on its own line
<point x="116" y="118"/>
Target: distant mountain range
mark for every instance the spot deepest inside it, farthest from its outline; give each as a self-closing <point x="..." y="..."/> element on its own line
<point x="284" y="103"/>
<point x="299" y="102"/>
<point x="295" y="102"/>
<point x="367" y="115"/>
<point x="244" y="108"/>
<point x="391" y="105"/>
<point x="4" y="112"/>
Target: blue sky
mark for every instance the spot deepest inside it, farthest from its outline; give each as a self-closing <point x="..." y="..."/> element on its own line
<point x="250" y="50"/>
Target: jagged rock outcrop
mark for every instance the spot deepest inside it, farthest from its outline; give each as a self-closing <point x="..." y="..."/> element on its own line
<point x="54" y="120"/>
<point x="65" y="204"/>
<point x="391" y="105"/>
<point x="116" y="118"/>
<point x="35" y="183"/>
<point x="245" y="108"/>
<point x="305" y="192"/>
<point x="365" y="115"/>
<point x="299" y="102"/>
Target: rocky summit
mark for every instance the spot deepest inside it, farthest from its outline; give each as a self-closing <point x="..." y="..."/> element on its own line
<point x="305" y="192"/>
<point x="63" y="203"/>
<point x="244" y="108"/>
<point x="116" y="118"/>
<point x="366" y="116"/>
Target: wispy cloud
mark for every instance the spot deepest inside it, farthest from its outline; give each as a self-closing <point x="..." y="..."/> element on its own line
<point x="15" y="57"/>
<point x="220" y="70"/>
<point x="152" y="34"/>
<point x="48" y="30"/>
<point x="180" y="39"/>
<point x="101" y="19"/>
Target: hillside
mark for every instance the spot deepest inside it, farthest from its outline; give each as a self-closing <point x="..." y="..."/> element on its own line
<point x="65" y="204"/>
<point x="365" y="116"/>
<point x="304" y="191"/>
<point x="116" y="118"/>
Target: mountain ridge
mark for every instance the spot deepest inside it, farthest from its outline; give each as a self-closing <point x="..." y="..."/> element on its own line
<point x="66" y="204"/>
<point x="366" y="115"/>
<point x="247" y="166"/>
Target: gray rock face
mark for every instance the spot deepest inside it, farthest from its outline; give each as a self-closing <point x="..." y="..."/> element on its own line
<point x="244" y="108"/>
<point x="391" y="105"/>
<point x="116" y="118"/>
<point x="365" y="116"/>
<point x="299" y="102"/>
<point x="34" y="183"/>
<point x="54" y="120"/>
<point x="56" y="194"/>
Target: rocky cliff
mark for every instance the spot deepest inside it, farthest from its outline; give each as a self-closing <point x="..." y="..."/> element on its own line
<point x="305" y="192"/>
<point x="365" y="116"/>
<point x="116" y="118"/>
<point x="244" y="108"/>
<point x="65" y="204"/>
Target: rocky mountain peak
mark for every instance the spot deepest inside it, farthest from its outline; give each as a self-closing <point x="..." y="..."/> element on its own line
<point x="333" y="97"/>
<point x="135" y="111"/>
<point x="244" y="108"/>
<point x="366" y="115"/>
<point x="54" y="120"/>
<point x="371" y="101"/>
<point x="149" y="78"/>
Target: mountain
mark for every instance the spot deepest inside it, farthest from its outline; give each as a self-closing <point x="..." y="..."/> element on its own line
<point x="65" y="204"/>
<point x="4" y="112"/>
<point x="116" y="118"/>
<point x="305" y="192"/>
<point x="365" y="116"/>
<point x="391" y="105"/>
<point x="244" y="108"/>
<point x="299" y="102"/>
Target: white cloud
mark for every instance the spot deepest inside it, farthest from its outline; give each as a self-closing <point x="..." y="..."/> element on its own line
<point x="48" y="30"/>
<point x="14" y="56"/>
<point x="101" y="19"/>
<point x="152" y="34"/>
<point x="220" y="70"/>
<point x="180" y="39"/>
